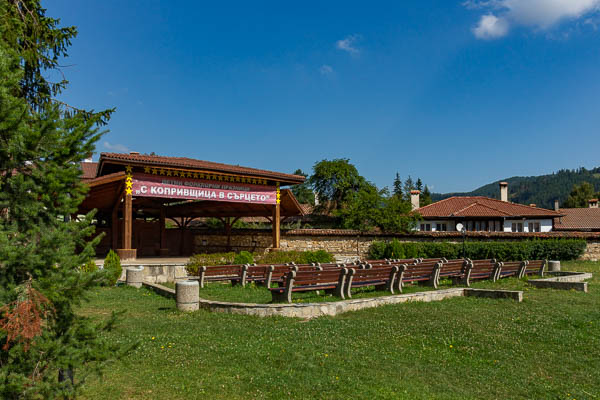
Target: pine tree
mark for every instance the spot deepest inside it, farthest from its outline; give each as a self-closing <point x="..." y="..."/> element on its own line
<point x="419" y="185"/>
<point x="425" y="198"/>
<point x="408" y="186"/>
<point x="41" y="250"/>
<point x="398" y="186"/>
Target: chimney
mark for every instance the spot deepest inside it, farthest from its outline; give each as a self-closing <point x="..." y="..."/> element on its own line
<point x="414" y="199"/>
<point x="533" y="205"/>
<point x="556" y="206"/>
<point x="504" y="191"/>
<point x="593" y="203"/>
<point x="134" y="153"/>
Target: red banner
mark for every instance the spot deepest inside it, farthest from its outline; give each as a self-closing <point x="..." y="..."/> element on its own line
<point x="145" y="185"/>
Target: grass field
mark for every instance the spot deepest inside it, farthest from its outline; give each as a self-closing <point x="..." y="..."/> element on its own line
<point x="547" y="347"/>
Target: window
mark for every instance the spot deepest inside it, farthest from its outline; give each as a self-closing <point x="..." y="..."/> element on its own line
<point x="441" y="227"/>
<point x="517" y="227"/>
<point x="534" y="227"/>
<point x="426" y="227"/>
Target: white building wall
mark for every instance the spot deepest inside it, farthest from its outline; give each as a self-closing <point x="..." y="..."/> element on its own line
<point x="545" y="224"/>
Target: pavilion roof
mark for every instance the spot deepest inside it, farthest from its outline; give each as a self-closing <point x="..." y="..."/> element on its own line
<point x="190" y="163"/>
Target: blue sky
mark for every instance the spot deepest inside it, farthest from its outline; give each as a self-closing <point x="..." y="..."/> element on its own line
<point x="458" y="93"/>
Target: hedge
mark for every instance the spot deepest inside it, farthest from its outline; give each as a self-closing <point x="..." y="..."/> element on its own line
<point x="551" y="249"/>
<point x="244" y="257"/>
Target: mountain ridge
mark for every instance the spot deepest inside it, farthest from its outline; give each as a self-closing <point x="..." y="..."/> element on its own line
<point x="540" y="190"/>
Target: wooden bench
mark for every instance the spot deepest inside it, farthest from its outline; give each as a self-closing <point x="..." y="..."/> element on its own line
<point x="509" y="268"/>
<point x="221" y="273"/>
<point x="304" y="281"/>
<point x="453" y="269"/>
<point x="534" y="267"/>
<point x="422" y="273"/>
<point x="383" y="278"/>
<point x="479" y="269"/>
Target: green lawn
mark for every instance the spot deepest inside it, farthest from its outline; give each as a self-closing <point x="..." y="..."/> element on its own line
<point x="547" y="347"/>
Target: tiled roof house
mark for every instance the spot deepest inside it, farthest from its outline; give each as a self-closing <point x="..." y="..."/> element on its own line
<point x="478" y="213"/>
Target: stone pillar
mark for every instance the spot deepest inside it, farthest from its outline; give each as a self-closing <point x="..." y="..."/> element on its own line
<point x="135" y="276"/>
<point x="414" y="199"/>
<point x="187" y="294"/>
<point x="553" y="266"/>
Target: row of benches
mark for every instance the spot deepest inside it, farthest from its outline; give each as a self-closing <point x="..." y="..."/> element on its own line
<point x="389" y="275"/>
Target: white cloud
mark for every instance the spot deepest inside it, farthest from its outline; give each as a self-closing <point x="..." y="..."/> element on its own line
<point x="537" y="14"/>
<point x="116" y="147"/>
<point x="349" y="44"/>
<point x="491" y="27"/>
<point x="325" y="70"/>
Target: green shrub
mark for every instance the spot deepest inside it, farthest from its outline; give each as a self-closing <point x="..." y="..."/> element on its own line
<point x="551" y="249"/>
<point x="298" y="257"/>
<point x="198" y="260"/>
<point x="89" y="267"/>
<point x="112" y="267"/>
<point x="319" y="256"/>
<point x="243" y="257"/>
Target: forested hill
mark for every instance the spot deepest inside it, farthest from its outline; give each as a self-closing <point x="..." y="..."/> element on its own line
<point x="540" y="190"/>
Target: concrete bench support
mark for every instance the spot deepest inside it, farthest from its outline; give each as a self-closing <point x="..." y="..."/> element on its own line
<point x="187" y="295"/>
<point x="134" y="276"/>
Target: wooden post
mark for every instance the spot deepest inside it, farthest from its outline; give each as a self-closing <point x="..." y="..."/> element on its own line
<point x="163" y="251"/>
<point x="276" y="225"/>
<point x="127" y="253"/>
<point x="127" y="222"/>
<point x="114" y="226"/>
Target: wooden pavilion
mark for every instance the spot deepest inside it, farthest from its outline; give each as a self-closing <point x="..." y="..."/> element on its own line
<point x="132" y="192"/>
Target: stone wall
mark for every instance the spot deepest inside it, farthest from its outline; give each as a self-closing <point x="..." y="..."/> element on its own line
<point x="346" y="244"/>
<point x="592" y="252"/>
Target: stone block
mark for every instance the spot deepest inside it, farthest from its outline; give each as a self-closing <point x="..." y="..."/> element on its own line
<point x="187" y="295"/>
<point x="553" y="266"/>
<point x="135" y="276"/>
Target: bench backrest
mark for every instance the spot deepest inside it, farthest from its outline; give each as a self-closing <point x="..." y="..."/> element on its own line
<point x="315" y="277"/>
<point x="421" y="271"/>
<point x="383" y="273"/>
<point x="222" y="270"/>
<point x="535" y="267"/>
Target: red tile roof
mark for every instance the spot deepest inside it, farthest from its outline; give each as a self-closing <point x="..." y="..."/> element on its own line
<point x="184" y="162"/>
<point x="88" y="170"/>
<point x="578" y="219"/>
<point x="479" y="206"/>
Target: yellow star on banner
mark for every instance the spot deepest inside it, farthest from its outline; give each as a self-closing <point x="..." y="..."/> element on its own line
<point x="154" y="171"/>
<point x="195" y="175"/>
<point x="237" y="178"/>
<point x="175" y="173"/>
<point x="220" y="177"/>
<point x="128" y="168"/>
<point x="169" y="173"/>
<point x="189" y="174"/>
<point x="128" y="191"/>
<point x="147" y="170"/>
<point x="201" y="176"/>
<point x="162" y="171"/>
